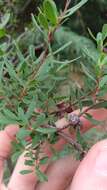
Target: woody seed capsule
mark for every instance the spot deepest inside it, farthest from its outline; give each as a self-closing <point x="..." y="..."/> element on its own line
<point x="74" y="119"/>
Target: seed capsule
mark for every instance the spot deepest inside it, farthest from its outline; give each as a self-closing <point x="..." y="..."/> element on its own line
<point x="74" y="119"/>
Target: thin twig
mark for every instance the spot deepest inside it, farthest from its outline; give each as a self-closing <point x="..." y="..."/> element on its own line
<point x="91" y="107"/>
<point x="66" y="6"/>
<point x="68" y="138"/>
<point x="72" y="142"/>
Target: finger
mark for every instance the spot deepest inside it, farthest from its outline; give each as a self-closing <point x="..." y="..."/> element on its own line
<point x="3" y="187"/>
<point x="27" y="181"/>
<point x="6" y="137"/>
<point x="59" y="174"/>
<point x="68" y="188"/>
<point x="92" y="172"/>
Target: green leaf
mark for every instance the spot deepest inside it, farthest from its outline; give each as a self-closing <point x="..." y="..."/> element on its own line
<point x="12" y="72"/>
<point x="103" y="60"/>
<point x="99" y="41"/>
<point x="62" y="48"/>
<point x="40" y="119"/>
<point x="85" y="70"/>
<point x="46" y="130"/>
<point x="36" y="139"/>
<point x="44" y="160"/>
<point x="29" y="162"/>
<point x="104" y="31"/>
<point x="44" y="69"/>
<point x="41" y="176"/>
<point x="16" y="155"/>
<point x="1" y="52"/>
<point x="91" y="34"/>
<point x="1" y="71"/>
<point x="65" y="63"/>
<point x="78" y="97"/>
<point x="23" y="172"/>
<point x="101" y="105"/>
<point x="50" y="11"/>
<point x="23" y="133"/>
<point x="2" y="33"/>
<point x="103" y="81"/>
<point x="32" y="52"/>
<point x="20" y="56"/>
<point x="4" y="20"/>
<point x="9" y="114"/>
<point x="43" y="20"/>
<point x="36" y="24"/>
<point x="6" y="121"/>
<point x="72" y="10"/>
<point x="21" y="116"/>
<point x="31" y="109"/>
<point x="102" y="92"/>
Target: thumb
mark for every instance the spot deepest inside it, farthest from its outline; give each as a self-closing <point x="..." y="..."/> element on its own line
<point x="6" y="137"/>
<point x="92" y="172"/>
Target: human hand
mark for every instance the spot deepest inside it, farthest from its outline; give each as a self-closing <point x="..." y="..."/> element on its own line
<point x="90" y="174"/>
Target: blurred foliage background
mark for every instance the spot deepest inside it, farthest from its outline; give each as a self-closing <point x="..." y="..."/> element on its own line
<point x="92" y="15"/>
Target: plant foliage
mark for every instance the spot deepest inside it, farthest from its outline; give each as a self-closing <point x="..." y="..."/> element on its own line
<point x="38" y="84"/>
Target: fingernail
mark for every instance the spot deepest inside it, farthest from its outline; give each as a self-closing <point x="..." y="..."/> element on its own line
<point x="101" y="162"/>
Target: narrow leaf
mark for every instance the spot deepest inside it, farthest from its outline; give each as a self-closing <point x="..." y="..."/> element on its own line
<point x="31" y="109"/>
<point x="12" y="71"/>
<point x="103" y="81"/>
<point x="50" y="10"/>
<point x="104" y="31"/>
<point x="9" y="114"/>
<point x="75" y="8"/>
<point x="46" y="130"/>
<point x="43" y="20"/>
<point x="23" y="133"/>
<point x="5" y="20"/>
<point x="2" y="32"/>
<point x="1" y="71"/>
<point x="23" y="172"/>
<point x="62" y="48"/>
<point x="42" y="177"/>
<point x="85" y="70"/>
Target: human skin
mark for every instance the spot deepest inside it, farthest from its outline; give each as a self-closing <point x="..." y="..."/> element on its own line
<point x="64" y="174"/>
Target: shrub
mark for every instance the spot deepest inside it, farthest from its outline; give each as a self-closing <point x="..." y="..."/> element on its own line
<point x="33" y="77"/>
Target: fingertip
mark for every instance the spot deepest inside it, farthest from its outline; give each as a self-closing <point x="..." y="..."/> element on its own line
<point x="93" y="169"/>
<point x="11" y="130"/>
<point x="6" y="137"/>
